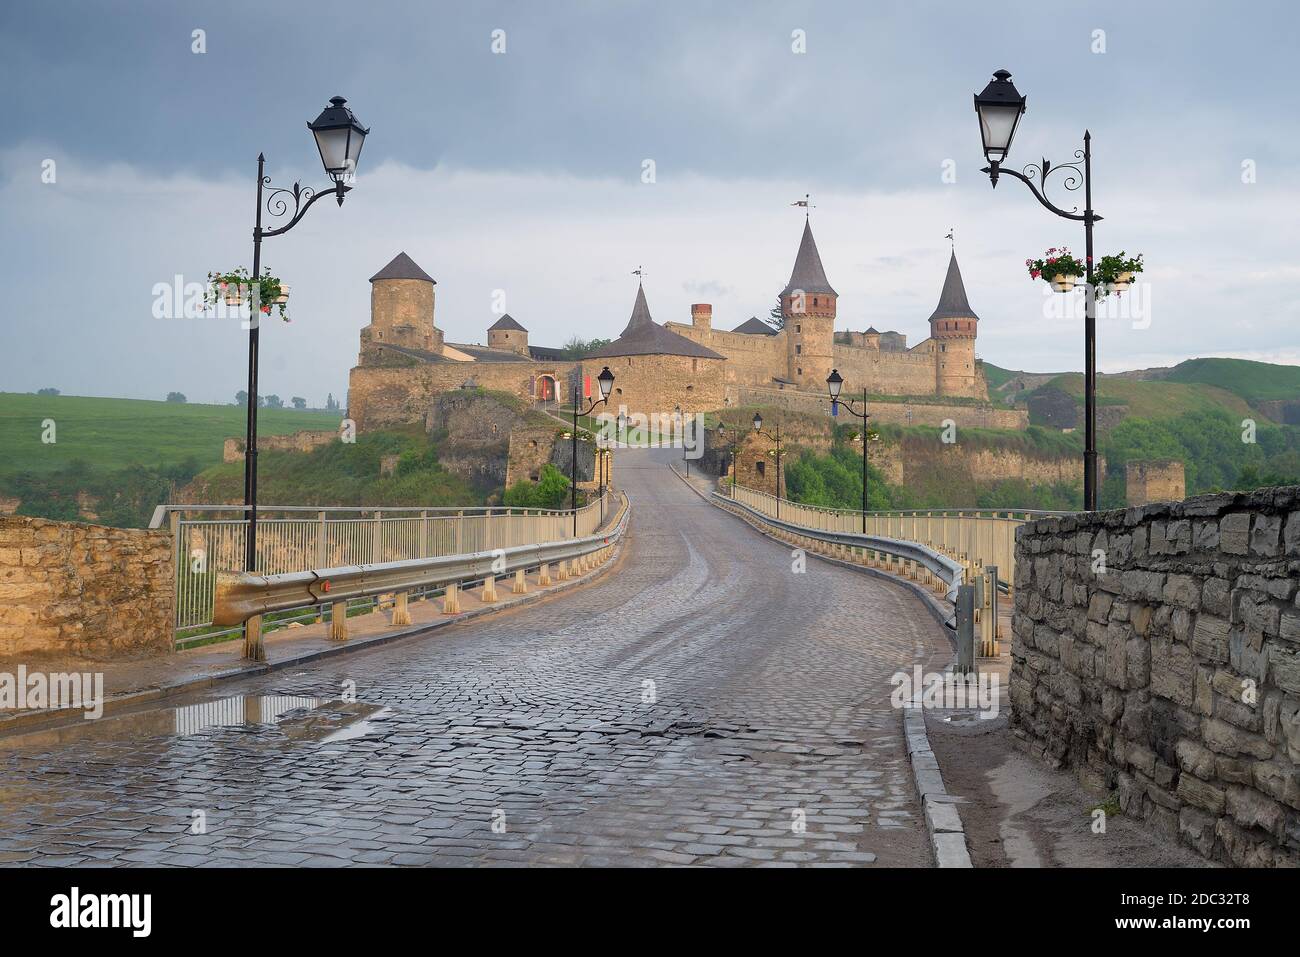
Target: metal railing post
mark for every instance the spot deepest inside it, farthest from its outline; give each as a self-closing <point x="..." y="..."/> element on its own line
<point x="965" y="629"/>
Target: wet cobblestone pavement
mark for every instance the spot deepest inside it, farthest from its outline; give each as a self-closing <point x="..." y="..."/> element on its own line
<point x="693" y="706"/>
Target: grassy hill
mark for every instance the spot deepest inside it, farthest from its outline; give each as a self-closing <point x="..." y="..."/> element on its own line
<point x="1155" y="398"/>
<point x="345" y="474"/>
<point x="1251" y="381"/>
<point x="118" y="433"/>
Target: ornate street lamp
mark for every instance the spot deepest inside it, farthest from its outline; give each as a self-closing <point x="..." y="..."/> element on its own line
<point x="778" y="451"/>
<point x="1000" y="107"/>
<point x="606" y="382"/>
<point x="835" y="383"/>
<point x="339" y="138"/>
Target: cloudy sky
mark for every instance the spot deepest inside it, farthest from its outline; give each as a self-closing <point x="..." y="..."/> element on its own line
<point x="522" y="171"/>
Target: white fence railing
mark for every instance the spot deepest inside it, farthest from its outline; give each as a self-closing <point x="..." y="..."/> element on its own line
<point x="977" y="538"/>
<point x="295" y="538"/>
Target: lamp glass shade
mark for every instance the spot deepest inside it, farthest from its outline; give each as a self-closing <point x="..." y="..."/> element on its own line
<point x="1000" y="107"/>
<point x="606" y="382"/>
<point x="835" y="382"/>
<point x="758" y="422"/>
<point x="339" y="138"/>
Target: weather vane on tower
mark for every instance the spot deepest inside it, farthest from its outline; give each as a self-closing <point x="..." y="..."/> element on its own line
<point x="806" y="203"/>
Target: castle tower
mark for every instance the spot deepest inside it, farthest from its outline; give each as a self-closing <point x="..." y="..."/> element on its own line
<point x="401" y="307"/>
<point x="507" y="334"/>
<point x="952" y="327"/>
<point x="702" y="315"/>
<point x="808" y="306"/>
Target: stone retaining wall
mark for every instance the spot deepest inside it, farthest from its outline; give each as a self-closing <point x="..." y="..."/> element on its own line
<point x="1170" y="673"/>
<point x="85" y="590"/>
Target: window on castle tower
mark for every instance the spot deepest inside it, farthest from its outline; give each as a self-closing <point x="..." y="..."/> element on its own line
<point x="798" y="350"/>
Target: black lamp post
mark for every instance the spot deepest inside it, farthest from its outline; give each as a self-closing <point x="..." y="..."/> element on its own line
<point x="1000" y="107"/>
<point x="758" y="427"/>
<point x="339" y="138"/>
<point x="681" y="431"/>
<point x="734" y="433"/>
<point x="602" y="465"/>
<point x="606" y="382"/>
<point x="835" y="382"/>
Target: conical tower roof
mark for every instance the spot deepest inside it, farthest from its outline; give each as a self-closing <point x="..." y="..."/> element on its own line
<point x="952" y="301"/>
<point x="644" y="337"/>
<point x="506" y="323"/>
<point x="402" y="267"/>
<point x="808" y="274"/>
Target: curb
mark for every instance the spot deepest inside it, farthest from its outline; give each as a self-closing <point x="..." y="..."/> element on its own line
<point x="120" y="703"/>
<point x="942" y="820"/>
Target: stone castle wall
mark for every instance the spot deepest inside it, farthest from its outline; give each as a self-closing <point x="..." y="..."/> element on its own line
<point x="232" y="450"/>
<point x="886" y="373"/>
<point x="751" y="359"/>
<point x="1173" y="675"/>
<point x="755" y="360"/>
<point x="905" y="464"/>
<point x="382" y="397"/>
<point x="1147" y="482"/>
<point x="85" y="590"/>
<point x="894" y="413"/>
<point x="658" y="384"/>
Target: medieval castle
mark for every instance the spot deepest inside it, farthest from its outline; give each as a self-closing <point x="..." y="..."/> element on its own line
<point x="405" y="362"/>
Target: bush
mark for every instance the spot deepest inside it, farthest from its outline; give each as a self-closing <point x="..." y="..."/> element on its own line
<point x="551" y="490"/>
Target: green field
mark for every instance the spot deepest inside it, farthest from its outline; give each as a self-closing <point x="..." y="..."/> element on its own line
<point x="117" y="433"/>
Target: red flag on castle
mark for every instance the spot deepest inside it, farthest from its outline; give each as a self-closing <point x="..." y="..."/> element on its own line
<point x="586" y="387"/>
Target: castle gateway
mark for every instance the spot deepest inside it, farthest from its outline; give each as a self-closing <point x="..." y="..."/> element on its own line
<point x="405" y="361"/>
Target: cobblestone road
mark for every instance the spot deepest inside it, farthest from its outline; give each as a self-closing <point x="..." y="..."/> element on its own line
<point x="532" y="737"/>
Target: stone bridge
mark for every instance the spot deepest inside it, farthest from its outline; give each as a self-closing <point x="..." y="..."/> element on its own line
<point x="712" y="697"/>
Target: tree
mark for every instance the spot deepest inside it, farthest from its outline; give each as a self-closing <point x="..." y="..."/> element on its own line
<point x="273" y="402"/>
<point x="299" y="402"/>
<point x="241" y="397"/>
<point x="176" y="397"/>
<point x="331" y="403"/>
<point x="47" y="391"/>
<point x="776" y="318"/>
<point x="577" y="348"/>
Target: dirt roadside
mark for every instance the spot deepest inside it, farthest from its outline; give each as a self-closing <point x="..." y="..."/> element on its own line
<point x="1017" y="812"/>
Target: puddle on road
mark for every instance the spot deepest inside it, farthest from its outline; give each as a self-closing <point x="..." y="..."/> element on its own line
<point x="301" y="718"/>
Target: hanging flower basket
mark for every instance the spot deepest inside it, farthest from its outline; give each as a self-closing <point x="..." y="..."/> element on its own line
<point x="1116" y="273"/>
<point x="1057" y="267"/>
<point x="237" y="287"/>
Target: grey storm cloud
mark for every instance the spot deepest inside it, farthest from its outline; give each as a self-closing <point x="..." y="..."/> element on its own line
<point x="521" y="172"/>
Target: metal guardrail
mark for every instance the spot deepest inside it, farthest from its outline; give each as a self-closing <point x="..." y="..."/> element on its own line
<point x="978" y="537"/>
<point x="975" y="615"/>
<point x="209" y="539"/>
<point x="946" y="570"/>
<point x="241" y="596"/>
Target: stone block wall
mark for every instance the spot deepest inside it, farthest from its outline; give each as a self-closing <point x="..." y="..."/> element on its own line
<point x="895" y="413"/>
<point x="1147" y="482"/>
<point x="1170" y="673"/>
<point x="232" y="450"/>
<point x="85" y="590"/>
